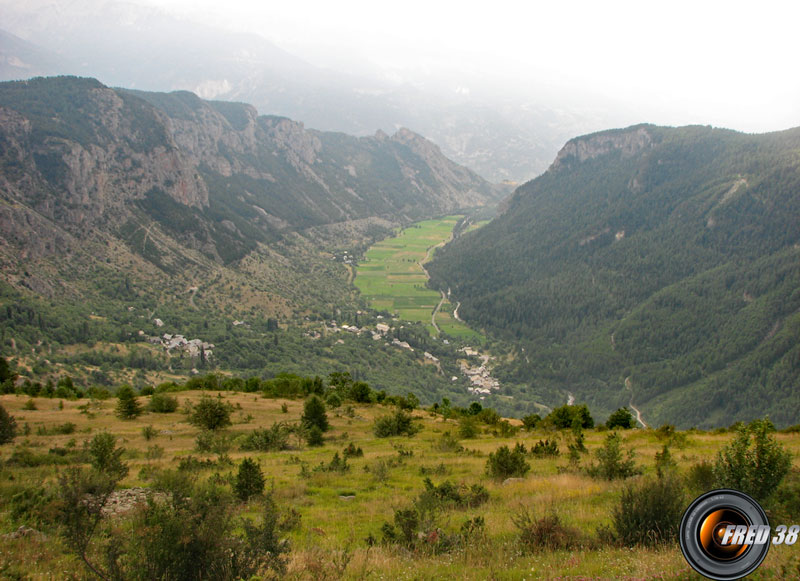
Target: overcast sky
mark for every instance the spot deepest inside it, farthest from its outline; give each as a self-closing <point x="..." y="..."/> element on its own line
<point x="731" y="64"/>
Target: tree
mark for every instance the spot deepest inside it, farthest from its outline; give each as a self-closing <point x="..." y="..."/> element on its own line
<point x="314" y="414"/>
<point x="567" y="416"/>
<point x="505" y="463"/>
<point x="610" y="464"/>
<point x="622" y="418"/>
<point x="754" y="462"/>
<point x="8" y="426"/>
<point x="210" y="414"/>
<point x="127" y="406"/>
<point x="249" y="480"/>
<point x="106" y="458"/>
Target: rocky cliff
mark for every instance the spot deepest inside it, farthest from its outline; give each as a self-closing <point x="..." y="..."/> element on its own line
<point x="80" y="157"/>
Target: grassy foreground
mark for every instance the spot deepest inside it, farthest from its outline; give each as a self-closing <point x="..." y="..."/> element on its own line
<point x="339" y="511"/>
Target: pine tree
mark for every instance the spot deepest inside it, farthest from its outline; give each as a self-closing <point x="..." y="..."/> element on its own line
<point x="314" y="414"/>
<point x="127" y="406"/>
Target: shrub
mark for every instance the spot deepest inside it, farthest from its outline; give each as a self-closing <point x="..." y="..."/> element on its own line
<point x="399" y="424"/>
<point x="544" y="533"/>
<point x="754" y="462"/>
<point x="649" y="512"/>
<point x="700" y="478"/>
<point x="127" y="406"/>
<point x="210" y="441"/>
<point x="314" y="414"/>
<point x="149" y="432"/>
<point x="106" y="458"/>
<point x="268" y="439"/>
<point x="449" y="495"/>
<point x="8" y="426"/>
<point x="530" y="421"/>
<point x="352" y="452"/>
<point x="622" y="418"/>
<point x="30" y="405"/>
<point x="315" y="437"/>
<point x="249" y="480"/>
<point x="468" y="427"/>
<point x="161" y="403"/>
<point x="447" y="443"/>
<point x="210" y="414"/>
<point x="610" y="464"/>
<point x="568" y="416"/>
<point x="505" y="463"/>
<point x="545" y="448"/>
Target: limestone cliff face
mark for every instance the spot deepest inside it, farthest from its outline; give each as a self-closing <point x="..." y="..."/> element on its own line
<point x="217" y="176"/>
<point x="628" y="142"/>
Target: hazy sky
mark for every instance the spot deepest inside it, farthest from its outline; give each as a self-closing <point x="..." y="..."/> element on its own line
<point x="731" y="64"/>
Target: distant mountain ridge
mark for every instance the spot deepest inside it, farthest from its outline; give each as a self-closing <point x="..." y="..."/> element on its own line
<point x="649" y="264"/>
<point x="142" y="47"/>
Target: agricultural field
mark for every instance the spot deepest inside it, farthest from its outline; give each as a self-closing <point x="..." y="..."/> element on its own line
<point x="392" y="276"/>
<point x="346" y="503"/>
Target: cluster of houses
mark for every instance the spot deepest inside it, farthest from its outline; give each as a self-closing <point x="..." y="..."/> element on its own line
<point x="481" y="378"/>
<point x="192" y="347"/>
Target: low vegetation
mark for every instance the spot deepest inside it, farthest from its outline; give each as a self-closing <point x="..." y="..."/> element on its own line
<point x="252" y="497"/>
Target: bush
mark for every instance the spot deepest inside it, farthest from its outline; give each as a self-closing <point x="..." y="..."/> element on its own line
<point x="649" y="513"/>
<point x="568" y="416"/>
<point x="449" y="495"/>
<point x="268" y="439"/>
<point x="314" y="414"/>
<point x="149" y="432"/>
<point x="505" y="463"/>
<point x="249" y="480"/>
<point x="545" y="448"/>
<point x="531" y="421"/>
<point x="210" y="414"/>
<point x="127" y="406"/>
<point x="106" y="458"/>
<point x="700" y="478"/>
<point x="161" y="403"/>
<point x="399" y="424"/>
<point x="622" y="418"/>
<point x="544" y="533"/>
<point x="754" y="462"/>
<point x="610" y="464"/>
<point x="352" y="452"/>
<point x="8" y="426"/>
<point x="212" y="441"/>
<point x="468" y="427"/>
<point x="315" y="437"/>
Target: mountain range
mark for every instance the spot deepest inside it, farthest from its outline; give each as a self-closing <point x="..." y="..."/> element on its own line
<point x="649" y="265"/>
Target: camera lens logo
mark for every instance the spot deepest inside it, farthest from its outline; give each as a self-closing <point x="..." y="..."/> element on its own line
<point x="724" y="535"/>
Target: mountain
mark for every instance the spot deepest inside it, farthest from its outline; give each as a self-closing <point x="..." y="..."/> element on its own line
<point x="216" y="175"/>
<point x="650" y="265"/>
<point x="129" y="45"/>
<point x="128" y="216"/>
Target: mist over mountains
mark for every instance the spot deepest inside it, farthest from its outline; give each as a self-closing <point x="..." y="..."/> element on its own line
<point x="501" y="137"/>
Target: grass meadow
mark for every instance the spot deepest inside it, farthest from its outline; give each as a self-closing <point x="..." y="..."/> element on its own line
<point x="340" y="511"/>
<point x="391" y="276"/>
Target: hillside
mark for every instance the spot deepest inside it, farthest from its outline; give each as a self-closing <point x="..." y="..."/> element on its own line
<point x="347" y="498"/>
<point x="127" y="215"/>
<point x="649" y="264"/>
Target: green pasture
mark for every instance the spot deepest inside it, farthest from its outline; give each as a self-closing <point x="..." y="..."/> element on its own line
<point x="391" y="276"/>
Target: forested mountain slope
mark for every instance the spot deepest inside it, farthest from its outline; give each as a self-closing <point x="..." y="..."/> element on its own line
<point x="659" y="264"/>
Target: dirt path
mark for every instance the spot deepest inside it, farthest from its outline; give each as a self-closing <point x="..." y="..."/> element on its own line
<point x="455" y="312"/>
<point x="633" y="407"/>
<point x="421" y="264"/>
<point x="436" y="310"/>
